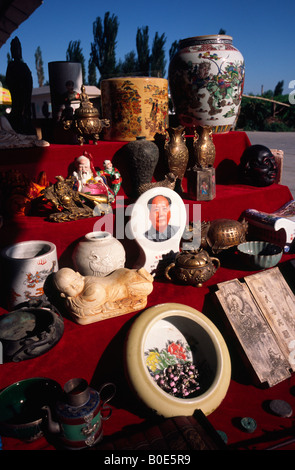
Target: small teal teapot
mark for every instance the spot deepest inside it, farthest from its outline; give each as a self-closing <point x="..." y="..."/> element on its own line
<point x="80" y="414"/>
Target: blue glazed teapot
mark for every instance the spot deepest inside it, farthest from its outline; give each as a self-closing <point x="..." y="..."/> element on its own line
<point x="78" y="417"/>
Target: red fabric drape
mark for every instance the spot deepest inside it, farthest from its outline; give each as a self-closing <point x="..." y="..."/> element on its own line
<point x="94" y="352"/>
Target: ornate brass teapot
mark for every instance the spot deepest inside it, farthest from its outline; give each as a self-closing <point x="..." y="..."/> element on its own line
<point x="86" y="122"/>
<point x="193" y="267"/>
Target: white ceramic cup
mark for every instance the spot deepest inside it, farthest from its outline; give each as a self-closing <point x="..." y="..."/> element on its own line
<point x="26" y="266"/>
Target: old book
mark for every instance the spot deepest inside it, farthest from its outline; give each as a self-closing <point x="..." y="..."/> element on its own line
<point x="261" y="312"/>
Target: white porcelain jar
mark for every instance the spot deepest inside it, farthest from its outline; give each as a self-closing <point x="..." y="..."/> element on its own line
<point x="206" y="79"/>
<point x="26" y="266"/>
<point x="98" y="254"/>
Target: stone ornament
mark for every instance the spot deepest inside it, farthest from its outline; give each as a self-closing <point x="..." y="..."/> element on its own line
<point x="89" y="299"/>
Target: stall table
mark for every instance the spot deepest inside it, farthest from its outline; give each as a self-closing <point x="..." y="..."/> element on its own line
<point x="94" y="351"/>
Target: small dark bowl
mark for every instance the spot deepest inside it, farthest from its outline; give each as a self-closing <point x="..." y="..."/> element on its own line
<point x="21" y="404"/>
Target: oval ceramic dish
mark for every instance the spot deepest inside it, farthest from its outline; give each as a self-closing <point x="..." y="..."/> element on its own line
<point x="170" y="334"/>
<point x="260" y="254"/>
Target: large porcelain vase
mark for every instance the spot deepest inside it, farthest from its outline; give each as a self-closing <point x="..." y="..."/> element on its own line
<point x="98" y="254"/>
<point x="206" y="79"/>
<point x="135" y="106"/>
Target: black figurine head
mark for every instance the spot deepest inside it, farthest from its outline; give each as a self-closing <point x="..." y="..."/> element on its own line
<point x="258" y="166"/>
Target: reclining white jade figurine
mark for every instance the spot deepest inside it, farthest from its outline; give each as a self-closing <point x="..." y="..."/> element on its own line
<point x="90" y="299"/>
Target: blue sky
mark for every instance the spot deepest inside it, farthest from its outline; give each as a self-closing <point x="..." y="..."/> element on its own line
<point x="263" y="31"/>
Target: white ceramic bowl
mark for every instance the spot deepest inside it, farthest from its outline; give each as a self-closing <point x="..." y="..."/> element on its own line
<point x="260" y="254"/>
<point x="193" y="338"/>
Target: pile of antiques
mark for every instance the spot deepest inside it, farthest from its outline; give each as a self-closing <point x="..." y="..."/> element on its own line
<point x="171" y="353"/>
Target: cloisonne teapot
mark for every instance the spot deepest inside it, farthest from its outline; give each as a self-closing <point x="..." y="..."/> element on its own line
<point x="192" y="267"/>
<point x="79" y="414"/>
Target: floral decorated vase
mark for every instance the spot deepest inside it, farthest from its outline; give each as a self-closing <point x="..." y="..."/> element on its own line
<point x="135" y="106"/>
<point x="26" y="266"/>
<point x="206" y="79"/>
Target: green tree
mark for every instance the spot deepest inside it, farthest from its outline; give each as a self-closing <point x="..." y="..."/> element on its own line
<point x="39" y="66"/>
<point x="279" y="88"/>
<point x="92" y="78"/>
<point x="75" y="54"/>
<point x="3" y="81"/>
<point x="253" y="114"/>
<point x="104" y="45"/>
<point x="158" y="62"/>
<point x="129" y="66"/>
<point x="173" y="49"/>
<point x="143" y="50"/>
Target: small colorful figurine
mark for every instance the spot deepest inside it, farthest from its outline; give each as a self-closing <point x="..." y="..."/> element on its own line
<point x="112" y="176"/>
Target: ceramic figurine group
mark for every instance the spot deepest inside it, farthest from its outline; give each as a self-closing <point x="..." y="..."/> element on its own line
<point x="83" y="191"/>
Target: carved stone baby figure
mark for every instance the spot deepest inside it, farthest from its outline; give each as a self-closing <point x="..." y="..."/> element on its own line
<point x="90" y="299"/>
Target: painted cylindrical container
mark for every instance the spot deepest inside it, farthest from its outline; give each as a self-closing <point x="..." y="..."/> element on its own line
<point x="135" y="106"/>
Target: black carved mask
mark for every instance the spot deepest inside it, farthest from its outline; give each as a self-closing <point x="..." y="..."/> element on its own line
<point x="258" y="166"/>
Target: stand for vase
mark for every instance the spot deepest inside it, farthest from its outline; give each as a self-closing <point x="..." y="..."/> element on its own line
<point x="201" y="183"/>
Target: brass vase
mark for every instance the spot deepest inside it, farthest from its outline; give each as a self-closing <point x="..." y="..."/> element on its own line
<point x="177" y="154"/>
<point x="204" y="148"/>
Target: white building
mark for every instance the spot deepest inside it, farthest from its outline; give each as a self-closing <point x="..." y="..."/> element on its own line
<point x="41" y="96"/>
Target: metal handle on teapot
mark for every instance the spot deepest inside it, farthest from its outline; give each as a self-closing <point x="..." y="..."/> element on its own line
<point x="217" y="262"/>
<point x="168" y="269"/>
<point x="104" y="406"/>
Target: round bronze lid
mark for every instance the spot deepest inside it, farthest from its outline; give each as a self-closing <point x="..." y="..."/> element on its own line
<point x="86" y="112"/>
<point x="192" y="259"/>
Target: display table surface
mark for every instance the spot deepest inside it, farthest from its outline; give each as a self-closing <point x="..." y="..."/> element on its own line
<point x="94" y="351"/>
